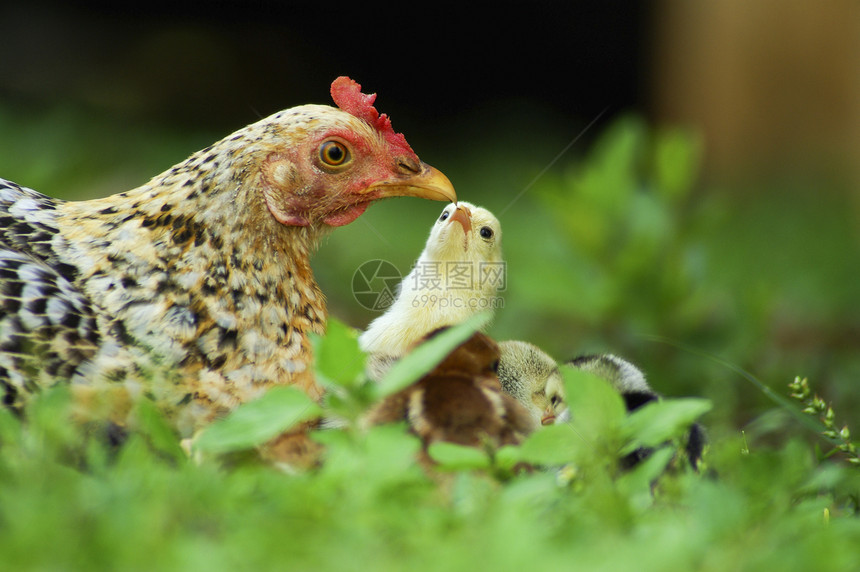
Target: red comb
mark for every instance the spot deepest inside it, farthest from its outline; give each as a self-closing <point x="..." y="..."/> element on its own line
<point x="347" y="95"/>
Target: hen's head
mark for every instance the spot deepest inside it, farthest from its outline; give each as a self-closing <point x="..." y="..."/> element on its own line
<point x="322" y="165"/>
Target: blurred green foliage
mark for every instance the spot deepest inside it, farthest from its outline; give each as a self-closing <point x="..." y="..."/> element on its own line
<point x="621" y="214"/>
<point x="665" y="265"/>
<point x="620" y="247"/>
<point x="69" y="502"/>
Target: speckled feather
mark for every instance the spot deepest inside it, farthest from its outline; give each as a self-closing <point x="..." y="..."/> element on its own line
<point x="194" y="289"/>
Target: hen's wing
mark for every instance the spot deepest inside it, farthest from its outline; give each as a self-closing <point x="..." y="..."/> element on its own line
<point x="47" y="327"/>
<point x="27" y="226"/>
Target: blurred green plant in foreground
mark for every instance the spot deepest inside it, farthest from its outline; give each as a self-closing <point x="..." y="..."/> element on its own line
<point x="67" y="501"/>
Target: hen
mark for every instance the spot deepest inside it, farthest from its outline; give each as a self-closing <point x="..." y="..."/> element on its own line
<point x="195" y="289"/>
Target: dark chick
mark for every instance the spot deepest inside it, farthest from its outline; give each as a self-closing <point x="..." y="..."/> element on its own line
<point x="460" y="401"/>
<point x="530" y="375"/>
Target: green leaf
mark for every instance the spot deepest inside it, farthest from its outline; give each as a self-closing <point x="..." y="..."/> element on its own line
<point x="49" y="418"/>
<point x="337" y="356"/>
<point x="425" y="357"/>
<point x="636" y="484"/>
<point x="677" y="155"/>
<point x="161" y="435"/>
<point x="135" y="453"/>
<point x="507" y="456"/>
<point x="384" y="453"/>
<point x="596" y="409"/>
<point x="554" y="445"/>
<point x="660" y="421"/>
<point x="10" y="427"/>
<point x="597" y="412"/>
<point x="390" y="450"/>
<point x="451" y="456"/>
<point x="255" y="422"/>
<point x="609" y="172"/>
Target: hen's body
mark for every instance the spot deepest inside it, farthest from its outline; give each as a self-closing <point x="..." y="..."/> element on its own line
<point x="155" y="299"/>
<point x="195" y="289"/>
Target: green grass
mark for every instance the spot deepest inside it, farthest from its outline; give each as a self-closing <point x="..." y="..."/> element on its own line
<point x="618" y="248"/>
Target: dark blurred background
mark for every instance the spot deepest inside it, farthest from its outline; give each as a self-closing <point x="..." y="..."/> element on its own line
<point x="218" y="63"/>
<point x="678" y="170"/>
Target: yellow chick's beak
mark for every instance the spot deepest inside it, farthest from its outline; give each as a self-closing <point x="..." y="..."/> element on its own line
<point x="425" y="183"/>
<point x="462" y="215"/>
<point x="548" y="417"/>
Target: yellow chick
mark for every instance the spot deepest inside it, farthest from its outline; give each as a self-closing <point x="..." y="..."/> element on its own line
<point x="459" y="273"/>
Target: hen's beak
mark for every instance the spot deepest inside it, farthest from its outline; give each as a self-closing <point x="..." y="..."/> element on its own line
<point x="424" y="183"/>
<point x="464" y="216"/>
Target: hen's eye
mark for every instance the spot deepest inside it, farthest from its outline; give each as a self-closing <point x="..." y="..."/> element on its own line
<point x="445" y="214"/>
<point x="486" y="232"/>
<point x="334" y="153"/>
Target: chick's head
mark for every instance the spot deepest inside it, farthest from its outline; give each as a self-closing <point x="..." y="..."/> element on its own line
<point x="467" y="233"/>
<point x="532" y="377"/>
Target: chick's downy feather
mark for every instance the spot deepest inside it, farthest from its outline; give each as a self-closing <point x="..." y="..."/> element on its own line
<point x="195" y="289"/>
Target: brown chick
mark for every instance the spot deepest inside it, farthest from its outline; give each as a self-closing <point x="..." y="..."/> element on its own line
<point x="195" y="289"/>
<point x="460" y="401"/>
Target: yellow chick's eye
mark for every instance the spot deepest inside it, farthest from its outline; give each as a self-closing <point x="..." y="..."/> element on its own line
<point x="334" y="153"/>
